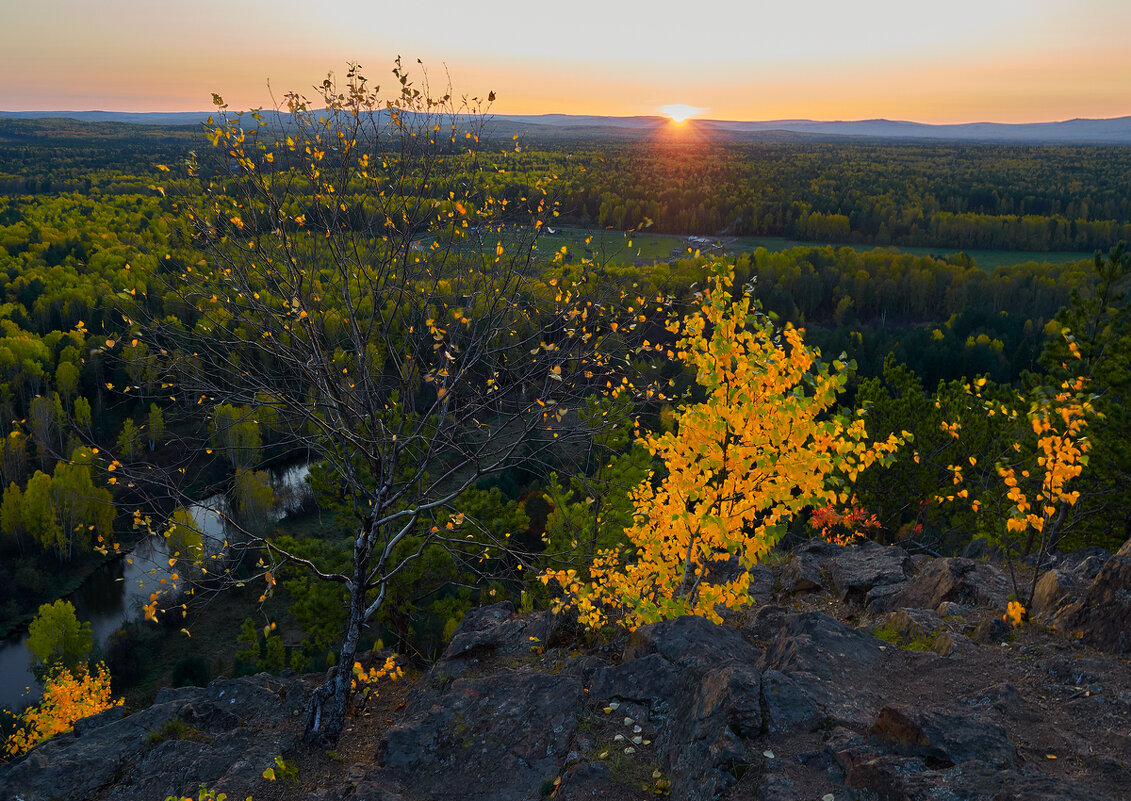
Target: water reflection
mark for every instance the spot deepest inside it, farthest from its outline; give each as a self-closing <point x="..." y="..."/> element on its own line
<point x="115" y="592"/>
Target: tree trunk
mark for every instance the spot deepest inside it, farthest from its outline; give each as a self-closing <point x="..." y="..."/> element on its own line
<point x="331" y="701"/>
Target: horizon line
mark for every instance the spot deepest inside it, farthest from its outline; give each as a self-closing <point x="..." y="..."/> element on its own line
<point x="657" y="116"/>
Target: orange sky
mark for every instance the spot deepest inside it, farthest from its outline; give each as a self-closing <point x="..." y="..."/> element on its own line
<point x="960" y="61"/>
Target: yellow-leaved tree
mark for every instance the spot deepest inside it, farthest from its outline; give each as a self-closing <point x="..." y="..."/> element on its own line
<point x="67" y="696"/>
<point x="1028" y="486"/>
<point x="761" y="447"/>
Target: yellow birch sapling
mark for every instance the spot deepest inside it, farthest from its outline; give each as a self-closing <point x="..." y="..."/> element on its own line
<point x="738" y="466"/>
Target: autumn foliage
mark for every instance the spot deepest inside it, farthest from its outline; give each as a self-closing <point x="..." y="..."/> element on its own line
<point x="1029" y="486"/>
<point x="67" y="697"/>
<point x="760" y="448"/>
<point x="843" y="526"/>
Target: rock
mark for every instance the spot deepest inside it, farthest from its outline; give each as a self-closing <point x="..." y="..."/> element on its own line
<point x="1053" y="589"/>
<point x="822" y="646"/>
<point x="896" y="778"/>
<point x="858" y="569"/>
<point x="497" y="737"/>
<point x="943" y="739"/>
<point x="368" y="790"/>
<point x="803" y="571"/>
<point x="980" y="549"/>
<point x="1075" y="672"/>
<point x="912" y="625"/>
<point x="1045" y="788"/>
<point x="949" y="609"/>
<point x="761" y="584"/>
<point x="650" y="680"/>
<point x="761" y="577"/>
<point x="588" y="780"/>
<point x="821" y="656"/>
<point x="1087" y="569"/>
<point x="855" y="570"/>
<point x="1086" y="563"/>
<point x="946" y="643"/>
<point x="788" y="706"/>
<point x="128" y="752"/>
<point x="961" y="581"/>
<point x="992" y="631"/>
<point x="879" y="598"/>
<point x="1006" y="701"/>
<point x="494" y="629"/>
<point x="765" y="622"/>
<point x="778" y="787"/>
<point x="705" y="681"/>
<point x="1102" y="617"/>
<point x="691" y="642"/>
<point x="702" y="742"/>
<point x="922" y="630"/>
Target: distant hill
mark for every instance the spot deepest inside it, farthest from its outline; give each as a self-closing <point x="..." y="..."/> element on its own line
<point x="136" y="117"/>
<point x="1116" y="131"/>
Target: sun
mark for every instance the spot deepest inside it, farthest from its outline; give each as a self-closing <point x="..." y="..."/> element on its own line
<point x="680" y="112"/>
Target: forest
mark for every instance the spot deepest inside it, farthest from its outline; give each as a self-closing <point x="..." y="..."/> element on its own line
<point x="385" y="303"/>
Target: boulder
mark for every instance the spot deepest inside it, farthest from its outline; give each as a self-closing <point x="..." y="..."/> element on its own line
<point x="649" y="680"/>
<point x="992" y="630"/>
<point x="494" y="629"/>
<point x="822" y="646"/>
<point x="1086" y="563"/>
<point x="761" y="584"/>
<point x="943" y="739"/>
<point x="764" y="622"/>
<point x="788" y="706"/>
<point x="911" y="625"/>
<point x="1102" y="617"/>
<point x="858" y="569"/>
<point x="961" y="581"/>
<point x="854" y="571"/>
<point x="1005" y="701"/>
<point x="803" y="571"/>
<point x="1054" y="589"/>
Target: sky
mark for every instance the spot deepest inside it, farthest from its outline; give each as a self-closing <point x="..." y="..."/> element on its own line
<point x="958" y="61"/>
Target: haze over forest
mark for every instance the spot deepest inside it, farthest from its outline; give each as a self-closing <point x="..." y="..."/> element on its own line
<point x="1084" y="131"/>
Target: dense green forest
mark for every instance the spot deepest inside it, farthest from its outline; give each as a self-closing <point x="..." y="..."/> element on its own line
<point x="946" y="195"/>
<point x="93" y="240"/>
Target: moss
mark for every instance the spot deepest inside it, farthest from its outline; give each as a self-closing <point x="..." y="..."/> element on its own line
<point x="922" y="642"/>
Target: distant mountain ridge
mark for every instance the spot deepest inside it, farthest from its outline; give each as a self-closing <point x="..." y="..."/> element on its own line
<point x="1114" y="131"/>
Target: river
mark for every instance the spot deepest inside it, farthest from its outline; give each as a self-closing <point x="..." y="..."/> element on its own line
<point x="116" y="591"/>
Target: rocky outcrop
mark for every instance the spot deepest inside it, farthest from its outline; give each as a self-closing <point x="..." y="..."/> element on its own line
<point x="795" y="703"/>
<point x="1102" y="617"/>
<point x="513" y="725"/>
<point x="192" y="735"/>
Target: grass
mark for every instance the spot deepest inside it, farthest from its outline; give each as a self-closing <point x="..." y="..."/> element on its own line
<point x="175" y="729"/>
<point x="604" y="246"/>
